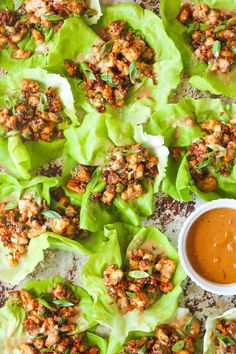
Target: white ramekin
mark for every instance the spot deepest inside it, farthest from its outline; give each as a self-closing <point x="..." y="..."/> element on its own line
<point x="219" y="289"/>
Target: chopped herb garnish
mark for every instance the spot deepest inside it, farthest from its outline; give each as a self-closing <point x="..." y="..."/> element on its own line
<point x="188" y="324"/>
<point x="192" y="28"/>
<point x="131" y="294"/>
<point x="138" y="274"/>
<point x="178" y="346"/>
<point x="226" y="341"/>
<point x="54" y="18"/>
<point x="233" y="49"/>
<point x="39" y="335"/>
<point x="18" y="4"/>
<point x="216" y="48"/>
<point x="87" y="71"/>
<point x="223" y="25"/>
<point x="45" y="304"/>
<point x="133" y="71"/>
<point x="47" y="350"/>
<point x="51" y="214"/>
<point x="63" y="303"/>
<point x="108" y="78"/>
<point x="106" y="48"/>
<point x="43" y="102"/>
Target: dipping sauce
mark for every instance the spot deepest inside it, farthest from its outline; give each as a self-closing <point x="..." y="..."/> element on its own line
<point x="211" y="245"/>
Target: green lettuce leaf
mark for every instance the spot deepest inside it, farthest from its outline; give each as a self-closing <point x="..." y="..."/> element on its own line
<point x="210" y="334"/>
<point x="179" y="321"/>
<point x="75" y="42"/>
<point x="19" y="158"/>
<point x="200" y="75"/>
<point x="118" y="239"/>
<point x="40" y="52"/>
<point x="10" y="191"/>
<point x="178" y="123"/>
<point x="12" y="332"/>
<point x="90" y="144"/>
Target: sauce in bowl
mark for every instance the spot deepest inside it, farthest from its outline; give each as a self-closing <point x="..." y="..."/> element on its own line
<point x="211" y="245"/>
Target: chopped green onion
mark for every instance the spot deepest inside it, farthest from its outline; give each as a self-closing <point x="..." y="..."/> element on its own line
<point x="216" y="48"/>
<point x="178" y="346"/>
<point x="138" y="274"/>
<point x="51" y="214"/>
<point x="63" y="303"/>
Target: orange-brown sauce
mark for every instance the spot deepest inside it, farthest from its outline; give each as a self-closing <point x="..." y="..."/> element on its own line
<point x="211" y="245"/>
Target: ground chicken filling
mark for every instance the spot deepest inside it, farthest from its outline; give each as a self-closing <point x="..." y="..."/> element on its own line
<point x="29" y="219"/>
<point x="225" y="342"/>
<point x="213" y="35"/>
<point x="215" y="153"/>
<point x="141" y="283"/>
<point x="50" y="322"/>
<point x="39" y="19"/>
<point x="128" y="167"/>
<point x="34" y="114"/>
<point x="167" y="339"/>
<point x="122" y="60"/>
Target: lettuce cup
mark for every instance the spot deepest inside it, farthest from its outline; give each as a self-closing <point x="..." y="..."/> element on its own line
<point x="134" y="278"/>
<point x="49" y="316"/>
<point x="29" y="30"/>
<point x="180" y="333"/>
<point x="126" y="59"/>
<point x="36" y="215"/>
<point x="35" y="108"/>
<point x="220" y="333"/>
<point x="203" y="31"/>
<point x="201" y="137"/>
<point x="113" y="168"/>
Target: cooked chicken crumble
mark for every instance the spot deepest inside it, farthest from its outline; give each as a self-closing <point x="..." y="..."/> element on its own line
<point x="139" y="285"/>
<point x="167" y="339"/>
<point x="115" y="65"/>
<point x="37" y="18"/>
<point x="225" y="341"/>
<point x="214" y="153"/>
<point x="128" y="167"/>
<point x="213" y="35"/>
<point x="50" y="322"/>
<point x="34" y="114"/>
<point x="30" y="219"/>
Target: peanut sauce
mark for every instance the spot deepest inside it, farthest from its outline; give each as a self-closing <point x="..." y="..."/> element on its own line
<point x="211" y="245"/>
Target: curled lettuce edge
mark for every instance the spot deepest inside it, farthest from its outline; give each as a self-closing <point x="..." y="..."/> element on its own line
<point x="173" y="121"/>
<point x="12" y="332"/>
<point x="11" y="189"/>
<point x="200" y="75"/>
<point x="90" y="144"/>
<point x="75" y="42"/>
<point x="209" y="347"/>
<point x="118" y="238"/>
<point x="21" y="158"/>
<point x="180" y="317"/>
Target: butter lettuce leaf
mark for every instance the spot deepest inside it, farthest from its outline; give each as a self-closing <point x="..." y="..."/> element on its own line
<point x="119" y="238"/>
<point x="178" y="124"/>
<point x="39" y="52"/>
<point x="20" y="158"/>
<point x="75" y="42"/>
<point x="200" y="75"/>
<point x="179" y="321"/>
<point x="11" y="191"/>
<point x="12" y="332"/>
<point x="210" y="334"/>
<point x="90" y="144"/>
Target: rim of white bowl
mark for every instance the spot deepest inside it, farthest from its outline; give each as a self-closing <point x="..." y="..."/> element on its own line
<point x="215" y="288"/>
